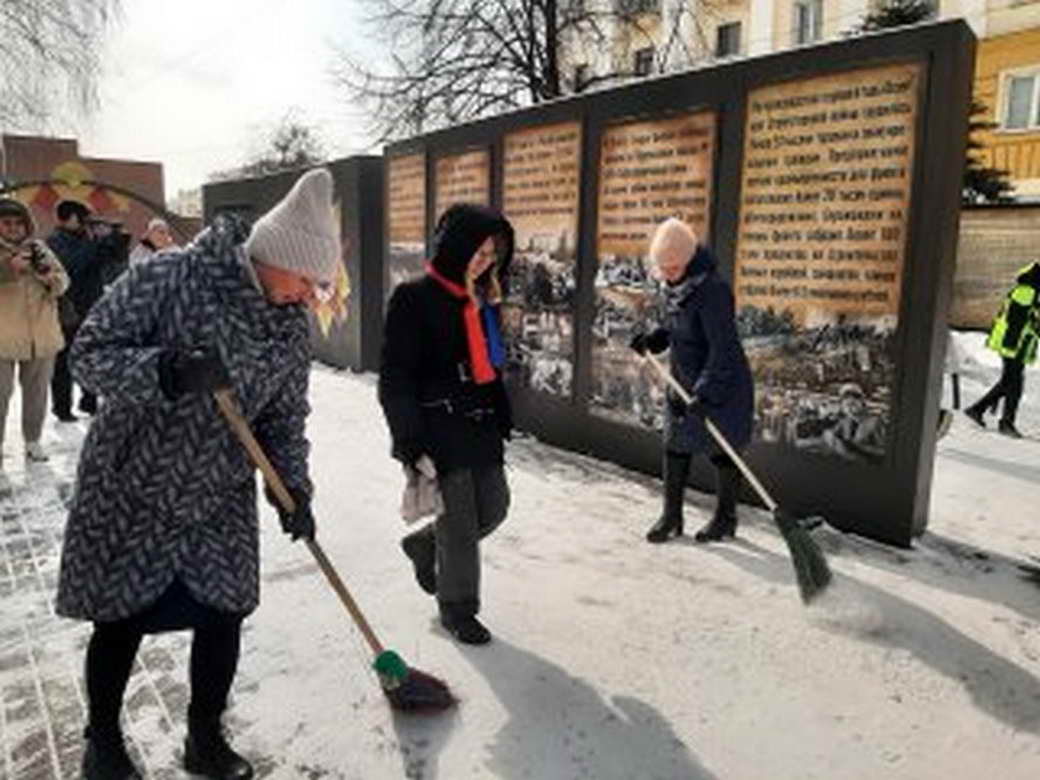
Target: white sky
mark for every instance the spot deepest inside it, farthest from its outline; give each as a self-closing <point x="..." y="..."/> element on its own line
<point x="194" y="83"/>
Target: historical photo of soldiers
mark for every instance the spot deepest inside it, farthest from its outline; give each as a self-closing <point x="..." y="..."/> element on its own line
<point x="626" y="300"/>
<point x="823" y="389"/>
<point x="538" y="311"/>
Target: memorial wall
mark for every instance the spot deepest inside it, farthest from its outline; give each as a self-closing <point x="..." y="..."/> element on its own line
<point x="827" y="182"/>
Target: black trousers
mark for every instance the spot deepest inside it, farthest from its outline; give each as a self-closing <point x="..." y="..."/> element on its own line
<point x="61" y="383"/>
<point x="1008" y="387"/>
<point x="214" y="658"/>
<point x="476" y="501"/>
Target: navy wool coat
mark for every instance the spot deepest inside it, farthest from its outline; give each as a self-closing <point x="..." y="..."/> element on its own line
<point x="709" y="361"/>
<point x="164" y="490"/>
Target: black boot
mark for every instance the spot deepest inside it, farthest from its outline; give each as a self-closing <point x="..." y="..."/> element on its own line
<point x="421" y="547"/>
<point x="724" y="522"/>
<point x="105" y="758"/>
<point x="461" y="620"/>
<point x="207" y="753"/>
<point x="676" y="470"/>
<point x="1007" y="427"/>
<point x="974" y="413"/>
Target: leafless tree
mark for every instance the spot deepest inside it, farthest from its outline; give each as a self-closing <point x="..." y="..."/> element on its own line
<point x="50" y="56"/>
<point x="450" y="61"/>
<point x="289" y="145"/>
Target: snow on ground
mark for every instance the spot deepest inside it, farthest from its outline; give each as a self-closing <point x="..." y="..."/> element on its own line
<point x="614" y="658"/>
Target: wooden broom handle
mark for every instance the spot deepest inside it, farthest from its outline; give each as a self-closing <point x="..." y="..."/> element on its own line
<point x="716" y="434"/>
<point x="226" y="402"/>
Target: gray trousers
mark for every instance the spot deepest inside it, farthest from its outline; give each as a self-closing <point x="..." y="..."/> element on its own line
<point x="34" y="376"/>
<point x="475" y="504"/>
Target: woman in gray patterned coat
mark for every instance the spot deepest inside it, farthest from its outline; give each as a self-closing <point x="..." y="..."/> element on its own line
<point x="707" y="358"/>
<point x="162" y="531"/>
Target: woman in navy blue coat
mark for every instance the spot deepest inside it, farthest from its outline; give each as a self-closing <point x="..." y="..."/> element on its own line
<point x="707" y="359"/>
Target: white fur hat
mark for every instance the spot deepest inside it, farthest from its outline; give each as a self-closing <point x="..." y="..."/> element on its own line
<point x="300" y="233"/>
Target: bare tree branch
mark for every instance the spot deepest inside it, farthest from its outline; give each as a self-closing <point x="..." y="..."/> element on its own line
<point x="288" y="145"/>
<point x="50" y="56"/>
<point x="459" y="60"/>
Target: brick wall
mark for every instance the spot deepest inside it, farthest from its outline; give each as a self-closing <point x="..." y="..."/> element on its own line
<point x="29" y="158"/>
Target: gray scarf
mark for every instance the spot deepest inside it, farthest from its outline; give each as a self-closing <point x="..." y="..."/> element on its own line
<point x="675" y="295"/>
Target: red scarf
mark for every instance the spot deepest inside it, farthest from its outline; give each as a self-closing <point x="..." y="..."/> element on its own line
<point x="483" y="371"/>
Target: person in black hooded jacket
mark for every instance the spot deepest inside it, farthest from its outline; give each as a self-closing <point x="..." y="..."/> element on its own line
<point x="441" y="390"/>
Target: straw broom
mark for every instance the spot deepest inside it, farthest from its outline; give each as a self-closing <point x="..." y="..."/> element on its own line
<point x="810" y="566"/>
<point x="407" y="689"/>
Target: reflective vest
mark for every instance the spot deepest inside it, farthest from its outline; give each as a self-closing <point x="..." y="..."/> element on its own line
<point x="1015" y="328"/>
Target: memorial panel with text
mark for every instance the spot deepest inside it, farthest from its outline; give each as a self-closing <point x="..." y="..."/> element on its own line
<point x="649" y="171"/>
<point x="406" y="218"/>
<point x="461" y="178"/>
<point x="826" y="185"/>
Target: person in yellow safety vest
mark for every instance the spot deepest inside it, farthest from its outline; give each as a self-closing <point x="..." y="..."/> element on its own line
<point x="1014" y="337"/>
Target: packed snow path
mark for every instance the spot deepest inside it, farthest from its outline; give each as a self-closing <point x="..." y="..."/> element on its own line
<point x="612" y="658"/>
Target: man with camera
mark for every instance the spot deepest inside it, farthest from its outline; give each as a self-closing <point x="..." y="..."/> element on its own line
<point x="31" y="282"/>
<point x="94" y="253"/>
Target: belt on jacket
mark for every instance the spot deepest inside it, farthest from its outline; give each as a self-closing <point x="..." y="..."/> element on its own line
<point x="449" y="406"/>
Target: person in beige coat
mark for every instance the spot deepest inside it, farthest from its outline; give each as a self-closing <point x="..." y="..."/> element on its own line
<point x="31" y="282"/>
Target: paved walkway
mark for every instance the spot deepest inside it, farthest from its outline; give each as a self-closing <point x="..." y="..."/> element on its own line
<point x="42" y="700"/>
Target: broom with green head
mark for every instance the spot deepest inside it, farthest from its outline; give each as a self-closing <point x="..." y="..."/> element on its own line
<point x="810" y="566"/>
<point x="407" y="689"/>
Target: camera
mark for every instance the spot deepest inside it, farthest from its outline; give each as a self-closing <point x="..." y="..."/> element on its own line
<point x="37" y="259"/>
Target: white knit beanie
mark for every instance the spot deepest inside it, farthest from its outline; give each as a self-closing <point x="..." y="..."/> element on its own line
<point x="300" y="233"/>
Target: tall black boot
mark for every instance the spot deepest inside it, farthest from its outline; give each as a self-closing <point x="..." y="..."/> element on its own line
<point x="676" y="470"/>
<point x="207" y="753"/>
<point x="724" y="522"/>
<point x="105" y="757"/>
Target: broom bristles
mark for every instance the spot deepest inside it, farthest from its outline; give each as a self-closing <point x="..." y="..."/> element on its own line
<point x="421" y="693"/>
<point x="411" y="690"/>
<point x="810" y="566"/>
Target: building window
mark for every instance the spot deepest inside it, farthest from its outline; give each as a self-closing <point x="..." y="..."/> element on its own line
<point x="1022" y="101"/>
<point x="644" y="61"/>
<point x="808" y="21"/>
<point x="581" y="76"/>
<point x="727" y="41"/>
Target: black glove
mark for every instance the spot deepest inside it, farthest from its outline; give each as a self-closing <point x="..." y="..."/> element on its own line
<point x="676" y="405"/>
<point x="408" y="452"/>
<point x="697" y="407"/>
<point x="299" y="522"/>
<point x="656" y="341"/>
<point x="197" y="371"/>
